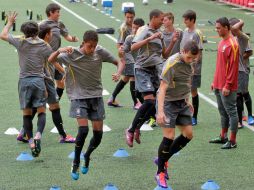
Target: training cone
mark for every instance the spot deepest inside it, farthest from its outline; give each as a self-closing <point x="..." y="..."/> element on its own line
<point x="11" y="131"/>
<point x="55" y="187"/>
<point x="24" y="156"/>
<point x="110" y="186"/>
<point x="105" y="92"/>
<point x="160" y="188"/>
<point x="54" y="130"/>
<point x="146" y="127"/>
<point x="106" y="128"/>
<point x="210" y="185"/>
<point x="121" y="153"/>
<point x="71" y="155"/>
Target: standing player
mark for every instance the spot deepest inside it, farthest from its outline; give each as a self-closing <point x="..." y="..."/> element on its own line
<point x="244" y="70"/>
<point x="173" y="106"/>
<point x="84" y="89"/>
<point x="33" y="53"/>
<point x="148" y="42"/>
<point x="124" y="31"/>
<point x="225" y="83"/>
<point x="58" y="29"/>
<point x="192" y="33"/>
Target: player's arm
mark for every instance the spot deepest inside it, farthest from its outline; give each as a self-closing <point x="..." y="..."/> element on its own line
<point x="53" y="57"/>
<point x="58" y="67"/>
<point x="236" y="28"/>
<point x="11" y="19"/>
<point x="137" y="45"/>
<point x="120" y="67"/>
<point x="70" y="38"/>
<point x="160" y="117"/>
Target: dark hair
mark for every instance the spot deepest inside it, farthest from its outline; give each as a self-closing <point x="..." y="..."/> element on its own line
<point x="155" y="13"/>
<point x="170" y="16"/>
<point x="223" y="21"/>
<point x="44" y="30"/>
<point x="30" y="29"/>
<point x="139" y="22"/>
<point x="90" y="35"/>
<point x="191" y="46"/>
<point x="233" y="21"/>
<point x="190" y="14"/>
<point x="52" y="7"/>
<point x="130" y="11"/>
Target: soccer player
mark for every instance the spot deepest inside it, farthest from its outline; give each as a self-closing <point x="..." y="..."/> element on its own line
<point x="33" y="53"/>
<point x="245" y="52"/>
<point x="125" y="30"/>
<point x="225" y="83"/>
<point x="58" y="29"/>
<point x="84" y="89"/>
<point x="148" y="43"/>
<point x="173" y="107"/>
<point x="192" y="33"/>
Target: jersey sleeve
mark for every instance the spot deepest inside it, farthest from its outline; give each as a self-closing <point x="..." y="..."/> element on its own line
<point x="167" y="74"/>
<point x="63" y="30"/>
<point x="121" y="37"/>
<point x="127" y="44"/>
<point x="198" y="38"/>
<point x="140" y="35"/>
<point x="106" y="56"/>
<point x="64" y="59"/>
<point x="15" y="40"/>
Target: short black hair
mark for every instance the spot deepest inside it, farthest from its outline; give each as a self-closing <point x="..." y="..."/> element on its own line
<point x="30" y="29"/>
<point x="130" y="11"/>
<point x="223" y="21"/>
<point x="139" y="22"/>
<point x="90" y="35"/>
<point x="233" y="21"/>
<point x="190" y="14"/>
<point x="43" y="30"/>
<point x="155" y="13"/>
<point x="191" y="46"/>
<point x="52" y="7"/>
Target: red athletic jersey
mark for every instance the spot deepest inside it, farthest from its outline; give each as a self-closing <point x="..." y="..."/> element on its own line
<point x="226" y="72"/>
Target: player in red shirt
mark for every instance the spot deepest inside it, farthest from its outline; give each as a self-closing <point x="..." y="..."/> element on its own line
<point x="225" y="83"/>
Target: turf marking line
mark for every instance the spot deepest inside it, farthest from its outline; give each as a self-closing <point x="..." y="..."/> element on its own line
<point x="207" y="99"/>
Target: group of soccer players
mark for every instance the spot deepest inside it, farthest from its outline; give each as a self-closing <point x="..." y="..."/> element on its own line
<point x="163" y="65"/>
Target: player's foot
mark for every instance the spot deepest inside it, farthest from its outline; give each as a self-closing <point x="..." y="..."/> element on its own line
<point x="152" y="122"/>
<point x="113" y="103"/>
<point x="240" y="126"/>
<point x="129" y="138"/>
<point x="194" y="121"/>
<point x="165" y="167"/>
<point x="85" y="167"/>
<point x="229" y="145"/>
<point x="244" y="118"/>
<point x="67" y="139"/>
<point x="137" y="106"/>
<point x="36" y="147"/>
<point x="219" y="140"/>
<point x="75" y="171"/>
<point x="161" y="180"/>
<point x="21" y="138"/>
<point x="250" y="120"/>
<point x="137" y="136"/>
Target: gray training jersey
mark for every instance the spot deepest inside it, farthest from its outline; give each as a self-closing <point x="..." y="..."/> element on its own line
<point x="149" y="54"/>
<point x="83" y="72"/>
<point x="33" y="54"/>
<point x="58" y="29"/>
<point x="129" y="55"/>
<point x="244" y="46"/>
<point x="177" y="75"/>
<point x="197" y="37"/>
<point x="124" y="31"/>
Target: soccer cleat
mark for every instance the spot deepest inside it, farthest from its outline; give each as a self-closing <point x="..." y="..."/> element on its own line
<point x="165" y="167"/>
<point x="229" y="145"/>
<point x="161" y="180"/>
<point x="37" y="148"/>
<point x="250" y="120"/>
<point x="21" y="138"/>
<point x="75" y="172"/>
<point x="137" y="136"/>
<point x="152" y="122"/>
<point x="67" y="139"/>
<point x="194" y="121"/>
<point x="244" y="118"/>
<point x="137" y="106"/>
<point x="113" y="103"/>
<point x="219" y="140"/>
<point x="129" y="138"/>
<point x="85" y="167"/>
<point x="240" y="126"/>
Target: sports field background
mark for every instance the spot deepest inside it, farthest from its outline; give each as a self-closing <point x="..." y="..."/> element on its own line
<point x="198" y="162"/>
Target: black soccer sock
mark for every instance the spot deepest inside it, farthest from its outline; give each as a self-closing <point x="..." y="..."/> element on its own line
<point x="195" y="103"/>
<point x="133" y="92"/>
<point x="79" y="143"/>
<point x="59" y="92"/>
<point x="41" y="122"/>
<point x="120" y="85"/>
<point x="139" y="96"/>
<point x="163" y="153"/>
<point x="148" y="115"/>
<point x="28" y="125"/>
<point x="239" y="105"/>
<point x="248" y="103"/>
<point x="34" y="111"/>
<point x="57" y="119"/>
<point x="179" y="143"/>
<point x="94" y="143"/>
<point x="139" y="118"/>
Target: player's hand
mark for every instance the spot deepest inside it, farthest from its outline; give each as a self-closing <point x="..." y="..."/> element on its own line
<point x="190" y="105"/>
<point x="68" y="50"/>
<point x="160" y="118"/>
<point x="12" y="17"/>
<point x="176" y="36"/>
<point x="212" y="87"/>
<point x="225" y="92"/>
<point x="116" y="77"/>
<point x="74" y="39"/>
<point x="155" y="35"/>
